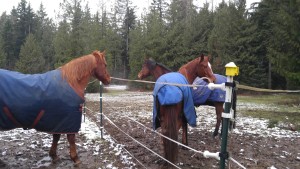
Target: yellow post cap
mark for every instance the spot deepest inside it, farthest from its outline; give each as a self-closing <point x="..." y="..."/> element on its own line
<point x="231" y="69"/>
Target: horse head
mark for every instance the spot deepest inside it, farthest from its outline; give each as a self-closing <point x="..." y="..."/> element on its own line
<point x="100" y="71"/>
<point x="205" y="69"/>
<point x="199" y="67"/>
<point x="148" y="65"/>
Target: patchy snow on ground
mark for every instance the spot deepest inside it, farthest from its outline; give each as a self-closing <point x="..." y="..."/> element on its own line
<point x="138" y="106"/>
<point x="89" y="131"/>
<point x="206" y="117"/>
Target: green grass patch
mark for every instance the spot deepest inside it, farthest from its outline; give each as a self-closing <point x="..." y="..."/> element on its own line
<point x="285" y="115"/>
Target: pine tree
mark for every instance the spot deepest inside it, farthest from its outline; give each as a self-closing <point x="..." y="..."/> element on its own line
<point x="31" y="59"/>
<point x="44" y="35"/>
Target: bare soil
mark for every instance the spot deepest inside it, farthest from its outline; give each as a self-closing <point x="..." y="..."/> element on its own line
<point x="252" y="150"/>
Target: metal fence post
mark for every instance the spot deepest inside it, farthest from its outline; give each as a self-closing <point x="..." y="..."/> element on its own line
<point x="101" y="116"/>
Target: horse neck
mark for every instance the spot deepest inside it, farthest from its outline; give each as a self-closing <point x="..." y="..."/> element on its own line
<point x="78" y="74"/>
<point x="158" y="71"/>
<point x="188" y="71"/>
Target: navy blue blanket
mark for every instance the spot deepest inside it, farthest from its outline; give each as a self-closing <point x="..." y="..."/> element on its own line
<point x="203" y="94"/>
<point x="25" y="96"/>
<point x="169" y="95"/>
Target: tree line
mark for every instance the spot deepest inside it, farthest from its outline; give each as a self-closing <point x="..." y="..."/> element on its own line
<point x="264" y="41"/>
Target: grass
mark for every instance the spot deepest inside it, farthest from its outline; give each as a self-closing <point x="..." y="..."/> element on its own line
<point x="282" y="110"/>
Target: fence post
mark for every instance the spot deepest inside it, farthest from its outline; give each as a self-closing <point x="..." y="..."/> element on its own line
<point x="231" y="70"/>
<point x="101" y="116"/>
<point x="84" y="104"/>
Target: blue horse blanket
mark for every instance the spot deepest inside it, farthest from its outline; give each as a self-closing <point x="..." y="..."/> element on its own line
<point x="170" y="95"/>
<point x="202" y="93"/>
<point x="25" y="96"/>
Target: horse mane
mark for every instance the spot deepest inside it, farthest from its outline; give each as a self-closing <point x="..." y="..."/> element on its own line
<point x="78" y="68"/>
<point x="165" y="67"/>
<point x="153" y="62"/>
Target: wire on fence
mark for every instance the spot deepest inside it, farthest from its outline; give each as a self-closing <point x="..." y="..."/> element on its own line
<point x="139" y="142"/>
<point x="245" y="87"/>
<point x="122" y="147"/>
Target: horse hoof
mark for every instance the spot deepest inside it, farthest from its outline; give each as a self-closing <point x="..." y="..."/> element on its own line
<point x="55" y="159"/>
<point x="2" y="164"/>
<point x="77" y="163"/>
<point x="214" y="135"/>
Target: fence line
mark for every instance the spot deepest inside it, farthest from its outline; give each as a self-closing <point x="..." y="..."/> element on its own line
<point x="116" y="141"/>
<point x="245" y="87"/>
<point x="266" y="90"/>
<point x="139" y="142"/>
<point x="203" y="153"/>
<point x="151" y="82"/>
<point x="194" y="150"/>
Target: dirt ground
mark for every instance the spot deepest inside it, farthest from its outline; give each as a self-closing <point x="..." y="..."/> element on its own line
<point x="265" y="150"/>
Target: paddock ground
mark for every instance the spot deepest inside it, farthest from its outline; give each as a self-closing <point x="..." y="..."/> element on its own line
<point x="252" y="143"/>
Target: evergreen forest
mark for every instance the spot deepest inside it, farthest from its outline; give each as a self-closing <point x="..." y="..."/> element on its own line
<point x="263" y="40"/>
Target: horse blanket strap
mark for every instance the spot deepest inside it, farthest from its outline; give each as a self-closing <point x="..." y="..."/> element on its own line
<point x="38" y="118"/>
<point x="202" y="93"/>
<point x="17" y="124"/>
<point x="170" y="95"/>
<point x="11" y="117"/>
<point x="45" y="102"/>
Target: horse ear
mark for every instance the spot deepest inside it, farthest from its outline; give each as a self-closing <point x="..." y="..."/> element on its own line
<point x="201" y="57"/>
<point x="151" y="59"/>
<point x="96" y="53"/>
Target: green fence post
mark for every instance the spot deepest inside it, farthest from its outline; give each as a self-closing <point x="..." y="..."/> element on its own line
<point x="101" y="116"/>
<point x="231" y="70"/>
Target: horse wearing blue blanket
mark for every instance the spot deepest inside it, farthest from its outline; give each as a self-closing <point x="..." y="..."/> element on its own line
<point x="50" y="102"/>
<point x="201" y="94"/>
<point x="173" y="105"/>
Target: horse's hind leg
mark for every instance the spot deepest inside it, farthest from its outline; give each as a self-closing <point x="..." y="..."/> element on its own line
<point x="2" y="164"/>
<point x="53" y="148"/>
<point x="73" y="152"/>
<point x="219" y="110"/>
<point x="184" y="132"/>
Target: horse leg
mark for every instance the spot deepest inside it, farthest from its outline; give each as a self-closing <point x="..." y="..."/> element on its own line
<point x="184" y="131"/>
<point x="2" y="164"/>
<point x="219" y="109"/>
<point x="52" y="152"/>
<point x="73" y="152"/>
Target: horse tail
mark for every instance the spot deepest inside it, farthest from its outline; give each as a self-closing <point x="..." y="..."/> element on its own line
<point x="169" y="122"/>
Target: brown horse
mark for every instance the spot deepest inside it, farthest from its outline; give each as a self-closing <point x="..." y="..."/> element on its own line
<point x="152" y="68"/>
<point x="173" y="116"/>
<point x="54" y="99"/>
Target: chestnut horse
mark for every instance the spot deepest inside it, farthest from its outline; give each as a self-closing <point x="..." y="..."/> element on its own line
<point x="54" y="99"/>
<point x="171" y="117"/>
<point x="152" y="68"/>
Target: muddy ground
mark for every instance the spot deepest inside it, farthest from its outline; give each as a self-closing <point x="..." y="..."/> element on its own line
<point x="251" y="143"/>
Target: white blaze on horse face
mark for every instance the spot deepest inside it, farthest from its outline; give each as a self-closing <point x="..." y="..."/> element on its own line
<point x="209" y="65"/>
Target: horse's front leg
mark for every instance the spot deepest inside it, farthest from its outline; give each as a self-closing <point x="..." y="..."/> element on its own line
<point x="53" y="148"/>
<point x="73" y="152"/>
<point x="219" y="110"/>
